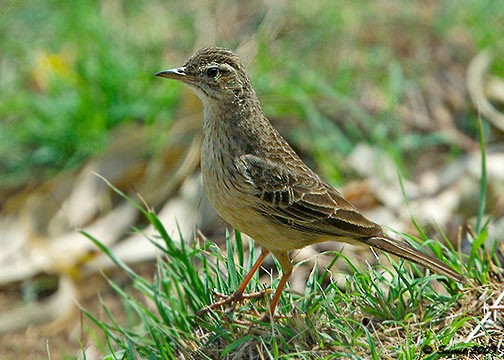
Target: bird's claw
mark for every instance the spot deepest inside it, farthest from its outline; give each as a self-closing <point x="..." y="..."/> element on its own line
<point x="232" y="299"/>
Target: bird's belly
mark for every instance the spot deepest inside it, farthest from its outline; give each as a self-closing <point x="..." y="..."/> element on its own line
<point x="229" y="203"/>
<point x="237" y="205"/>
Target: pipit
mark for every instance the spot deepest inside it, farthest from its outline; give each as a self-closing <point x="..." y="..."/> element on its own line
<point x="260" y="186"/>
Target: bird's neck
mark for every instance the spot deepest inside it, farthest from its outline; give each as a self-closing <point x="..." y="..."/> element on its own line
<point x="241" y="128"/>
<point x="241" y="118"/>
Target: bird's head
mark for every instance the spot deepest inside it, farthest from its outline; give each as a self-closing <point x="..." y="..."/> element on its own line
<point x="213" y="74"/>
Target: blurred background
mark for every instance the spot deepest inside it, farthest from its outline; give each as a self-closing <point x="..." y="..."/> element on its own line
<point x="363" y="90"/>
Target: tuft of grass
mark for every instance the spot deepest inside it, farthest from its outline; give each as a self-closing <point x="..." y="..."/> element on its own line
<point x="319" y="323"/>
<point x="380" y="313"/>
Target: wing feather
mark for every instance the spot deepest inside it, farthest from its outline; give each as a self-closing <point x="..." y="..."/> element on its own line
<point x="302" y="200"/>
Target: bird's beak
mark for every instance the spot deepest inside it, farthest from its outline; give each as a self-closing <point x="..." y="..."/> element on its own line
<point x="176" y="74"/>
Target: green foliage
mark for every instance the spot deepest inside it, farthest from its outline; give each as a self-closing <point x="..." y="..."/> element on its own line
<point x="321" y="322"/>
<point x="80" y="76"/>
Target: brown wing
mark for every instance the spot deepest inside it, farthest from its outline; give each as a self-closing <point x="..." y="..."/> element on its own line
<point x="299" y="198"/>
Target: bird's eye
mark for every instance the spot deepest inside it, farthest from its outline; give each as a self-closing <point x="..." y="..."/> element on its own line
<point x="212" y="72"/>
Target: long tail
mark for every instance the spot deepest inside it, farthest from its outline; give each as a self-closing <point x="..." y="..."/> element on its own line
<point x="404" y="250"/>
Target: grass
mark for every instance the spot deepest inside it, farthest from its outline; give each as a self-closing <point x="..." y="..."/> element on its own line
<point x="381" y="312"/>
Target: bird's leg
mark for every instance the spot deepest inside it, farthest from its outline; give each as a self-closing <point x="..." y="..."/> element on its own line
<point x="239" y="295"/>
<point x="286" y="265"/>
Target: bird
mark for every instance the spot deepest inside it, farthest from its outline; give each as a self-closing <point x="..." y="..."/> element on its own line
<point x="260" y="186"/>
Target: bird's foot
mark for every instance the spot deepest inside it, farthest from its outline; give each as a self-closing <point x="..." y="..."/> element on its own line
<point x="232" y="299"/>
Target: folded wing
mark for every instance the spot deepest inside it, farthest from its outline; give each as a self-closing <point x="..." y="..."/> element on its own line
<point x="302" y="200"/>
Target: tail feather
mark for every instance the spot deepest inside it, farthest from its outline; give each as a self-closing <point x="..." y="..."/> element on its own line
<point x="404" y="250"/>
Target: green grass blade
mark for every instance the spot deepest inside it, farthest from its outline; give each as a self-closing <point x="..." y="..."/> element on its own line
<point x="483" y="182"/>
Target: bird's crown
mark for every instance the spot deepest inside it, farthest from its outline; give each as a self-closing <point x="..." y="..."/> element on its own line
<point x="212" y="55"/>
